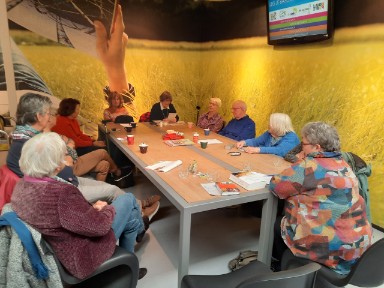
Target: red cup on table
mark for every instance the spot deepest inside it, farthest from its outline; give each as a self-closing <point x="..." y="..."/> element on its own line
<point x="131" y="139"/>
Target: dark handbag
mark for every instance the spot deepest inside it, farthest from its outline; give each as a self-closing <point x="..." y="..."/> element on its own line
<point x="124" y="181"/>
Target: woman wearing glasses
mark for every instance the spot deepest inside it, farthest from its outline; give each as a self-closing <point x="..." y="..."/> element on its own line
<point x="278" y="139"/>
<point x="325" y="218"/>
<point x="212" y="120"/>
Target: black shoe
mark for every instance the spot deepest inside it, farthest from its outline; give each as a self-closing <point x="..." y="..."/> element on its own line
<point x="140" y="236"/>
<point x="142" y="272"/>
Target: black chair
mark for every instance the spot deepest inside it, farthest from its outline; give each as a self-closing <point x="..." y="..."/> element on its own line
<point x="124" y="119"/>
<point x="365" y="273"/>
<point x="256" y="275"/>
<point x="121" y="270"/>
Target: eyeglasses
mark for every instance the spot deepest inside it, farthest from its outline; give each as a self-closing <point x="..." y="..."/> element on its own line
<point x="235" y="108"/>
<point x="303" y="144"/>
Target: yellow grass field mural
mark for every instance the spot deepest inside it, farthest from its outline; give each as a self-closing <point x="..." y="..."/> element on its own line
<point x="341" y="82"/>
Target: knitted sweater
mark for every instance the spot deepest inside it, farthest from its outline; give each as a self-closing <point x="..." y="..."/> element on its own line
<point x="15" y="266"/>
<point x="239" y="129"/>
<point x="80" y="235"/>
<point x="158" y="114"/>
<point x="71" y="128"/>
<point x="280" y="148"/>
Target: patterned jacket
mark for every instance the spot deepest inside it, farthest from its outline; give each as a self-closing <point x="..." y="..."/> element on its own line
<point x="214" y="123"/>
<point x="325" y="217"/>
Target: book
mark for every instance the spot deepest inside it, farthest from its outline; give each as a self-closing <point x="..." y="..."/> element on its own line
<point x="250" y="180"/>
<point x="227" y="188"/>
<point x="179" y="142"/>
<point x="213" y="190"/>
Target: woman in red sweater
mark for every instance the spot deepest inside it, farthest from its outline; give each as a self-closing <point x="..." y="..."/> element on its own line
<point x="68" y="125"/>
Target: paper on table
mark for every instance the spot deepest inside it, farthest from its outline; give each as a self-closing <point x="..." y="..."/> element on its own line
<point x="211" y="188"/>
<point x="164" y="166"/>
<point x="211" y="141"/>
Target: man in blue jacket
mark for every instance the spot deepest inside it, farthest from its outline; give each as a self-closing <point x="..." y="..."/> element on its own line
<point x="241" y="126"/>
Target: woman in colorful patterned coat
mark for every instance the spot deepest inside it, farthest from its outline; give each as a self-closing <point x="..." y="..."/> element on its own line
<point x="325" y="218"/>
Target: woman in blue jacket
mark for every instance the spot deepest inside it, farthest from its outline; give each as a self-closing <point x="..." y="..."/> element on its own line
<point x="279" y="139"/>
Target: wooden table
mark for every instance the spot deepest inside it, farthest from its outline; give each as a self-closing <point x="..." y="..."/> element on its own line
<point x="187" y="195"/>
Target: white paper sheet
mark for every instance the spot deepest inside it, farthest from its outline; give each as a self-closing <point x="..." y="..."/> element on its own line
<point x="165" y="166"/>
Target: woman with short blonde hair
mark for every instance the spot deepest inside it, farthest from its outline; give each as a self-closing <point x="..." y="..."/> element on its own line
<point x="279" y="139"/>
<point x="280" y="123"/>
<point x="212" y="120"/>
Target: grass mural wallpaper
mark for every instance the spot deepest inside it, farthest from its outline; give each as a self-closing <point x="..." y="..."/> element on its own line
<point x="340" y="82"/>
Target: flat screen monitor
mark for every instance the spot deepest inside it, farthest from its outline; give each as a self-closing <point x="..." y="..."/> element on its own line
<point x="299" y="21"/>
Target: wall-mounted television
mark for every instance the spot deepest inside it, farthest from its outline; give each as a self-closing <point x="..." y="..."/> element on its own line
<point x="299" y="21"/>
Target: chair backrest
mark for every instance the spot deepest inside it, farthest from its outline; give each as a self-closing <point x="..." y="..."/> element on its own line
<point x="119" y="271"/>
<point x="301" y="277"/>
<point x="8" y="180"/>
<point x="367" y="271"/>
<point x="124" y="119"/>
<point x="145" y="117"/>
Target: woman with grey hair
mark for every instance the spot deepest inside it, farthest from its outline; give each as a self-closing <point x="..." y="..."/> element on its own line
<point x="83" y="235"/>
<point x="212" y="120"/>
<point x="325" y="217"/>
<point x="279" y="139"/>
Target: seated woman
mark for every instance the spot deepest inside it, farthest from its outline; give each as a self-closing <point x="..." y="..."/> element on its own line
<point x="279" y="139"/>
<point x="97" y="161"/>
<point x="211" y="120"/>
<point x="325" y="217"/>
<point x="33" y="115"/>
<point x="116" y="108"/>
<point x="83" y="235"/>
<point x="161" y="110"/>
<point x="67" y="124"/>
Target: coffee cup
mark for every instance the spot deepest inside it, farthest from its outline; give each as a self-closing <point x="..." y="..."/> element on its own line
<point x="131" y="139"/>
<point x="128" y="128"/>
<point x="143" y="148"/>
<point x="190" y="124"/>
<point x="133" y="124"/>
<point x="206" y="132"/>
<point x="203" y="144"/>
<point x="195" y="137"/>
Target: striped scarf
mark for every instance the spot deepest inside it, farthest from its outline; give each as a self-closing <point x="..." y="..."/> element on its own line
<point x="25" y="132"/>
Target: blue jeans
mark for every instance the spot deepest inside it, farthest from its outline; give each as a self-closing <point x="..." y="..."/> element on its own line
<point x="128" y="221"/>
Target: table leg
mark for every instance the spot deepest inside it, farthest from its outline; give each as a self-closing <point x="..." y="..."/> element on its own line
<point x="266" y="229"/>
<point x="184" y="244"/>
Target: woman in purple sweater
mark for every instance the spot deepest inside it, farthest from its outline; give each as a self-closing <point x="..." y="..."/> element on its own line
<point x="83" y="235"/>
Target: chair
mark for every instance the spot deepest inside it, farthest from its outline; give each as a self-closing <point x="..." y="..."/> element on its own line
<point x="365" y="273"/>
<point x="124" y="119"/>
<point x="121" y="270"/>
<point x="8" y="180"/>
<point x="145" y="117"/>
<point x="255" y="275"/>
